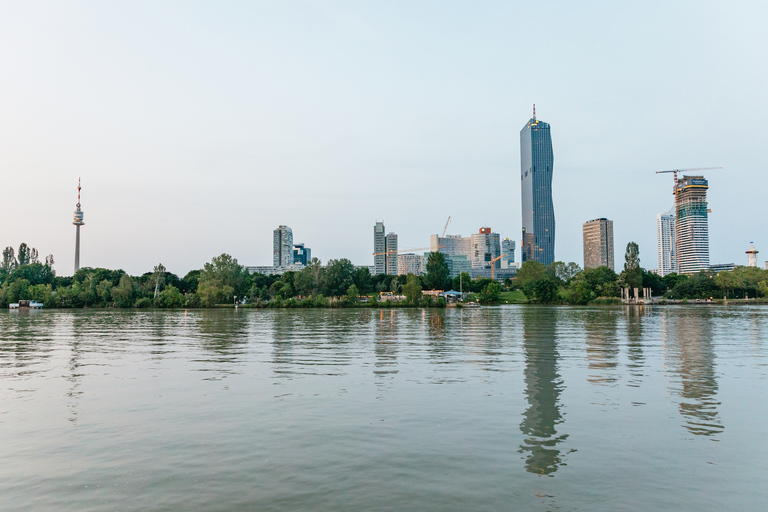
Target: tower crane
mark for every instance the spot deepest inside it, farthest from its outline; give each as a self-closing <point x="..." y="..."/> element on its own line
<point x="677" y="204"/>
<point x="494" y="260"/>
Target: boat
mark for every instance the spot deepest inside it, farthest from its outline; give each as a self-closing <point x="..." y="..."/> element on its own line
<point x="26" y="304"/>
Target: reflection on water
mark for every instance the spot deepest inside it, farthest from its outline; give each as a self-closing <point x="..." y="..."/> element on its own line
<point x="543" y="386"/>
<point x="635" y="317"/>
<point x="692" y="352"/>
<point x="602" y="346"/>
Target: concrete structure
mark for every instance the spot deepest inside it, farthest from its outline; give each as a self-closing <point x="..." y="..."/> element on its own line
<point x="451" y="245"/>
<point x="666" y="239"/>
<point x="598" y="243"/>
<point x="720" y="267"/>
<point x="508" y="250"/>
<point x="302" y="255"/>
<point x="391" y="241"/>
<point x="536" y="166"/>
<point x="409" y="264"/>
<point x="78" y="222"/>
<point x="752" y="256"/>
<point x="379" y="249"/>
<point x="282" y="247"/>
<point x="486" y="246"/>
<point x="693" y="225"/>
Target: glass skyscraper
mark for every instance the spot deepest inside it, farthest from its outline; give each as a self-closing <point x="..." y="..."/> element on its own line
<point x="536" y="163"/>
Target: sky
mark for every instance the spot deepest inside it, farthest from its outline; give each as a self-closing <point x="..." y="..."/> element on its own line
<point x="199" y="127"/>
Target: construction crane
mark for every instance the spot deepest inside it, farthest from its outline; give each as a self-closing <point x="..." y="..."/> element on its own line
<point x="677" y="204"/>
<point x="439" y="246"/>
<point x="493" y="270"/>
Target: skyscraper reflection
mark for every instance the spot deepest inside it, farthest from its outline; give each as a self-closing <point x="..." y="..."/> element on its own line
<point x="542" y="389"/>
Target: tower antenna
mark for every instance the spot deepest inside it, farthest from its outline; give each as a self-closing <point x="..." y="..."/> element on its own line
<point x="78" y="221"/>
<point x="534" y="111"/>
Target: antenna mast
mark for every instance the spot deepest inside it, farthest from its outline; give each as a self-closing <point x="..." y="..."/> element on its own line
<point x="534" y="111"/>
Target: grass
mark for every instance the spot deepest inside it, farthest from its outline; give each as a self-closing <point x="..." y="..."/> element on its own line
<point x="513" y="297"/>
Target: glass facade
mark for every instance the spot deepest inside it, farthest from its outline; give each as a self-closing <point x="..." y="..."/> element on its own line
<point x="536" y="165"/>
<point x="693" y="224"/>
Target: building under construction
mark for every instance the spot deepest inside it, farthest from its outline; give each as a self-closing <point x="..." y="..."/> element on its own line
<point x="693" y="224"/>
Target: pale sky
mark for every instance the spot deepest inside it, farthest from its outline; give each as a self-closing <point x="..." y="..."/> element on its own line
<point x="199" y="127"/>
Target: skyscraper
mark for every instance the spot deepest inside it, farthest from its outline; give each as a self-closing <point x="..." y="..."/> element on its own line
<point x="666" y="234"/>
<point x="486" y="247"/>
<point x="391" y="254"/>
<point x="379" y="249"/>
<point x="598" y="243"/>
<point x="282" y="247"/>
<point x="536" y="165"/>
<point x="301" y="255"/>
<point x="693" y="224"/>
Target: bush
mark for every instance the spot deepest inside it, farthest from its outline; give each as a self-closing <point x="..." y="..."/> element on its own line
<point x="143" y="302"/>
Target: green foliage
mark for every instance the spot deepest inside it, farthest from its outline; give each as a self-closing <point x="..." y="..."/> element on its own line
<point x="338" y="277"/>
<point x="170" y="297"/>
<point x="579" y="292"/>
<point x="352" y="294"/>
<point x="632" y="276"/>
<point x="143" y="302"/>
<point x="437" y="272"/>
<point x="412" y="288"/>
<point x="221" y="280"/>
<point x="490" y="294"/>
<point x="530" y="272"/>
<point x="462" y="282"/>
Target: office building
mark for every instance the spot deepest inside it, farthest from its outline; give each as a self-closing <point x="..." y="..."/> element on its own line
<point x="508" y="253"/>
<point x="451" y="245"/>
<point x="282" y="247"/>
<point x="391" y="250"/>
<point x="379" y="249"/>
<point x="457" y="264"/>
<point x="302" y="255"/>
<point x="486" y="247"/>
<point x="693" y="224"/>
<point x="536" y="167"/>
<point x="666" y="237"/>
<point x="598" y="243"/>
<point x="409" y="264"/>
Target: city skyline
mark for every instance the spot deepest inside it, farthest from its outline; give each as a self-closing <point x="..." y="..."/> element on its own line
<point x="397" y="111"/>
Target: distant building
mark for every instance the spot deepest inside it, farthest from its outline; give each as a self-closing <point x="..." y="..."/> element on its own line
<point x="391" y="245"/>
<point x="282" y="247"/>
<point x="409" y="263"/>
<point x="457" y="264"/>
<point x="508" y="252"/>
<point x="486" y="247"/>
<point x="536" y="166"/>
<point x="379" y="249"/>
<point x="720" y="267"/>
<point x="666" y="239"/>
<point x="451" y="245"/>
<point x="752" y="256"/>
<point x="301" y="254"/>
<point x="693" y="229"/>
<point x="598" y="243"/>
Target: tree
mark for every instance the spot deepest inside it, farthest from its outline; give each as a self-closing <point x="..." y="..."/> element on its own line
<point x="412" y="288"/>
<point x="564" y="271"/>
<point x="338" y="276"/>
<point x="530" y="271"/>
<point x="170" y="297"/>
<point x="9" y="259"/>
<point x="352" y="294"/>
<point x="632" y="274"/>
<point x="158" y="276"/>
<point x="23" y="254"/>
<point x="437" y="271"/>
<point x="490" y="294"/>
<point x="362" y="278"/>
<point x="462" y="282"/>
<point x="220" y="280"/>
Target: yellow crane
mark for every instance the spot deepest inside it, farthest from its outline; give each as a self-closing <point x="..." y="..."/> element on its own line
<point x="493" y="270"/>
<point x="677" y="204"/>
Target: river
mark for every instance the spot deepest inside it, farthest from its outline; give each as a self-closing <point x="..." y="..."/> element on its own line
<point x="497" y="408"/>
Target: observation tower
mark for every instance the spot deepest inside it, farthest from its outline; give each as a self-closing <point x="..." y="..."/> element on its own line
<point x="78" y="222"/>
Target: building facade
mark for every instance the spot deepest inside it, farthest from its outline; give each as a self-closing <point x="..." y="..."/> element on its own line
<point x="451" y="245"/>
<point x="752" y="256"/>
<point x="536" y="167"/>
<point x="486" y="247"/>
<point x="666" y="239"/>
<point x="379" y="249"/>
<point x="282" y="247"/>
<point x="391" y="254"/>
<point x="302" y="255"/>
<point x="508" y="253"/>
<point x="693" y="224"/>
<point x="598" y="243"/>
<point x="409" y="264"/>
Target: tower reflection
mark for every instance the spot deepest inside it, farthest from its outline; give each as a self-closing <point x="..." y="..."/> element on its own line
<point x="542" y="389"/>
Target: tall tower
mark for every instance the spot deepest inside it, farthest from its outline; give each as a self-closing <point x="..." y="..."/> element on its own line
<point x="536" y="164"/>
<point x="752" y="255"/>
<point x="693" y="228"/>
<point x="598" y="243"/>
<point x="282" y="247"/>
<point x="379" y="249"/>
<point x="391" y="244"/>
<point x="666" y="233"/>
<point x="78" y="222"/>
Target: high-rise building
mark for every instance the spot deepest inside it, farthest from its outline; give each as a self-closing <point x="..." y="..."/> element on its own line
<point x="693" y="224"/>
<point x="486" y="247"/>
<point x="379" y="249"/>
<point x="391" y="242"/>
<point x="282" y="247"/>
<point x="536" y="165"/>
<point x="598" y="243"/>
<point x="78" y="222"/>
<point x="508" y="253"/>
<point x="302" y="255"/>
<point x="409" y="264"/>
<point x="666" y="235"/>
<point x="451" y="245"/>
